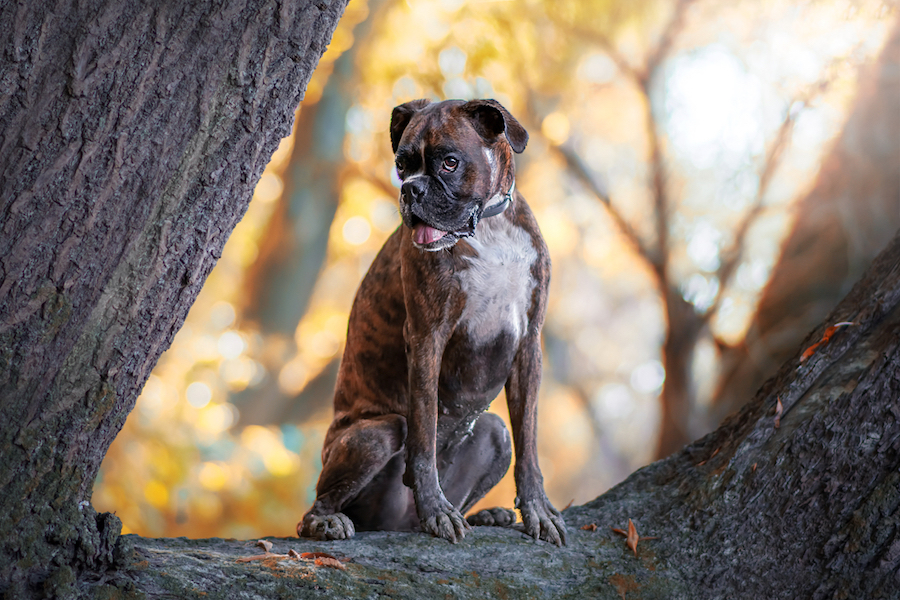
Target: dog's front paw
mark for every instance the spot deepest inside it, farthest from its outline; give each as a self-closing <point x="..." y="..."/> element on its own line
<point x="542" y="521"/>
<point x="337" y="526"/>
<point x="493" y="517"/>
<point x="445" y="522"/>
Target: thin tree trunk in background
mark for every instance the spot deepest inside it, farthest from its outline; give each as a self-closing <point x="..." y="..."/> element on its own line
<point x="851" y="212"/>
<point x="678" y="393"/>
<point x="281" y="281"/>
<point x="291" y="253"/>
<point x="131" y="138"/>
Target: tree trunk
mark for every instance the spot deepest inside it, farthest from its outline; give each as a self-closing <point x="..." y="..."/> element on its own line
<point x="131" y="138"/>
<point x="683" y="327"/>
<point x="801" y="505"/>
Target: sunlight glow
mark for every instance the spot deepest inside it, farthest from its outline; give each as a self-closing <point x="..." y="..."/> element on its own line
<point x="648" y="377"/>
<point x="714" y="108"/>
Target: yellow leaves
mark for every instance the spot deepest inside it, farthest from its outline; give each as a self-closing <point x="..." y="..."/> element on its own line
<point x="156" y="493"/>
<point x="559" y="231"/>
<point x="213" y="476"/>
<point x="293" y="376"/>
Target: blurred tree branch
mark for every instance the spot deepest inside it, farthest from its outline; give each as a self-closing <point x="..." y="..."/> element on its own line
<point x="851" y="210"/>
<point x="685" y="323"/>
<point x="281" y="281"/>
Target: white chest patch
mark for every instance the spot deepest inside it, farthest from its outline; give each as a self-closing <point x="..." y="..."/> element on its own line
<point x="498" y="283"/>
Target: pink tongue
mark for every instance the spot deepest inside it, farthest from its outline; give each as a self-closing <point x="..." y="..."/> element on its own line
<point x="423" y="234"/>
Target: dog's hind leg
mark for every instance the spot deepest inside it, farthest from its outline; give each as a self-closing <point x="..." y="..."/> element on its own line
<point x="473" y="467"/>
<point x="360" y="485"/>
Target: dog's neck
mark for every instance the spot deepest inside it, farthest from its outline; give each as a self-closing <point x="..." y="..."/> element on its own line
<point x="499" y="202"/>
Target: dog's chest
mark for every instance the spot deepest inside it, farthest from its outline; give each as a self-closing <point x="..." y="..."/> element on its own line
<point x="497" y="282"/>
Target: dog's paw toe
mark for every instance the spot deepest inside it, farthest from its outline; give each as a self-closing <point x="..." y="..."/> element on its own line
<point x="543" y="522"/>
<point x="337" y="526"/>
<point x="448" y="524"/>
<point x="493" y="517"/>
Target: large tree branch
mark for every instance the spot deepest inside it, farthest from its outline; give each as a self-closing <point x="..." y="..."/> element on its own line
<point x="817" y="488"/>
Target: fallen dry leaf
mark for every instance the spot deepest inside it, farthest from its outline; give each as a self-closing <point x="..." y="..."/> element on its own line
<point x="632" y="537"/>
<point x="754" y="467"/>
<point x="260" y="557"/>
<point x="320" y="559"/>
<point x="313" y="555"/>
<point x="779" y="410"/>
<point x="826" y="337"/>
<point x="590" y="527"/>
<point x="265" y="545"/>
<point x="330" y="562"/>
<point x="569" y="505"/>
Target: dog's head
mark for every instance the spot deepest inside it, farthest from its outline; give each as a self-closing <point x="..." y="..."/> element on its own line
<point x="453" y="157"/>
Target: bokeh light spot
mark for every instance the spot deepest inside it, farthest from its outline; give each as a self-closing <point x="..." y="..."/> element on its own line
<point x="556" y="127"/>
<point x="198" y="394"/>
<point x="356" y="230"/>
<point x="230" y="344"/>
<point x="212" y="476"/>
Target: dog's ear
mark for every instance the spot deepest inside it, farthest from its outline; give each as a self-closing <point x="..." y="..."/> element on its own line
<point x="400" y="119"/>
<point x="491" y="119"/>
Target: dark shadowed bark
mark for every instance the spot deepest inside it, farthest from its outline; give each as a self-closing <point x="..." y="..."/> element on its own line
<point x="131" y="137"/>
<point x="805" y="504"/>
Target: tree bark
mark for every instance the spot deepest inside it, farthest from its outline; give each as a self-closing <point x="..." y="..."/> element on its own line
<point x="131" y="138"/>
<point x="802" y="505"/>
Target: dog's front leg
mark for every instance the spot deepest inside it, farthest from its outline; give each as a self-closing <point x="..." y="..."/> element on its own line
<point x="436" y="514"/>
<point x="430" y="317"/>
<point x="541" y="519"/>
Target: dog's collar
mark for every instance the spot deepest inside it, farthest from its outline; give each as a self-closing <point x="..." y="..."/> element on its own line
<point x="496" y="209"/>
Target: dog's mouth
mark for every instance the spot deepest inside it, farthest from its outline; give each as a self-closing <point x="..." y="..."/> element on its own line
<point x="435" y="237"/>
<point x="426" y="234"/>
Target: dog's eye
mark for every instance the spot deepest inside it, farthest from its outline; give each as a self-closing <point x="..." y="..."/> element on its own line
<point x="450" y="164"/>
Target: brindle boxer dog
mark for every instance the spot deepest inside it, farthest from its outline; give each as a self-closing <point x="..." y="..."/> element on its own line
<point x="449" y="313"/>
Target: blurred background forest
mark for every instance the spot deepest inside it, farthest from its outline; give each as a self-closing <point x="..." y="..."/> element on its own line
<point x="710" y="176"/>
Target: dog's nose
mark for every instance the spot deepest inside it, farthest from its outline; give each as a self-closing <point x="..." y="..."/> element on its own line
<point x="413" y="190"/>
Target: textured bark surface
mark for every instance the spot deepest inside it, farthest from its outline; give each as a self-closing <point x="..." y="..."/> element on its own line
<point x="807" y="508"/>
<point x="131" y="137"/>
